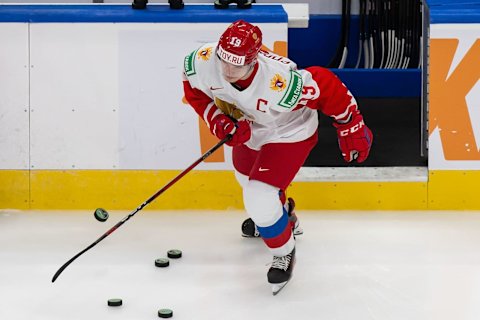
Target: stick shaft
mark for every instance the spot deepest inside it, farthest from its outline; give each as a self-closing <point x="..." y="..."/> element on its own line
<point x="140" y="207"/>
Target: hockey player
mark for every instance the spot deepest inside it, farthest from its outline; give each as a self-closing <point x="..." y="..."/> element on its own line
<point x="270" y="109"/>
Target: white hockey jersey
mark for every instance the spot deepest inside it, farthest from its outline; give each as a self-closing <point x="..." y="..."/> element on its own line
<point x="269" y="102"/>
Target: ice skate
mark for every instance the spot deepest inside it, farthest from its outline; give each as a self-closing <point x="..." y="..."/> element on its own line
<point x="250" y="230"/>
<point x="281" y="271"/>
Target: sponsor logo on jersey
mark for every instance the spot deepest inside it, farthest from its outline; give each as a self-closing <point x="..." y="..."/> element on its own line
<point x="189" y="64"/>
<point x="230" y="57"/>
<point x="278" y="83"/>
<point x="294" y="91"/>
<point x="204" y="54"/>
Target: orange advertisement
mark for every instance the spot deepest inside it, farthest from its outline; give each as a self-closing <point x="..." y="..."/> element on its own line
<point x="453" y="96"/>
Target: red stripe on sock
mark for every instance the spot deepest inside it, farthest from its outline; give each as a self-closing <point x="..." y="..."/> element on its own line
<point x="281" y="239"/>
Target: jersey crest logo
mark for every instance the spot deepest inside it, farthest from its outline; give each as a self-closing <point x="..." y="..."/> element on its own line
<point x="204" y="54"/>
<point x="228" y="108"/>
<point x="278" y="83"/>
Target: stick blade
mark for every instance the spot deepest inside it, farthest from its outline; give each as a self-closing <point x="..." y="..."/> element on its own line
<point x="59" y="271"/>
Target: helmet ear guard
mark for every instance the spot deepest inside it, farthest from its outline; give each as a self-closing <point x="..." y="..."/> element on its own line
<point x="240" y="43"/>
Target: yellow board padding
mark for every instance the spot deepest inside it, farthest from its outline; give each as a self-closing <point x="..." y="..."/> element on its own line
<point x="360" y="195"/>
<point x="454" y="190"/>
<point x="14" y="189"/>
<point x="127" y="189"/>
<point x="219" y="190"/>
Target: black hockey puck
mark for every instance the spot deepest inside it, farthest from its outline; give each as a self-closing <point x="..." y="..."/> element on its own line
<point x="174" y="253"/>
<point x="165" y="313"/>
<point x="101" y="214"/>
<point x="162" y="262"/>
<point x="114" y="302"/>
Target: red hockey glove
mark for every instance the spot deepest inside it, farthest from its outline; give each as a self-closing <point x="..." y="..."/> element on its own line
<point x="222" y="125"/>
<point x="354" y="139"/>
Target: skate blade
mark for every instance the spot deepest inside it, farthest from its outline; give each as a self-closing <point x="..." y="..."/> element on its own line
<point x="277" y="287"/>
<point x="249" y="236"/>
<point x="297" y="231"/>
<point x="255" y="235"/>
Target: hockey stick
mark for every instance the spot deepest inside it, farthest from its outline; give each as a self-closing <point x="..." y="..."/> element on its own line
<point x="368" y="28"/>
<point x="343" y="60"/>
<point x="361" y="34"/>
<point x="383" y="25"/>
<point x="409" y="38"/>
<point x="366" y="53"/>
<point x="392" y="41"/>
<point x="371" y="26"/>
<point x="391" y="31"/>
<point x="403" y="7"/>
<point x="376" y="34"/>
<point x="420" y="33"/>
<point x="396" y="33"/>
<point x="159" y="192"/>
<point x="335" y="62"/>
<point x="416" y="33"/>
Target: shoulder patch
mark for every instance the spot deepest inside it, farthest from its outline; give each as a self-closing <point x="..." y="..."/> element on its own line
<point x="294" y="91"/>
<point x="189" y="63"/>
<point x="205" y="53"/>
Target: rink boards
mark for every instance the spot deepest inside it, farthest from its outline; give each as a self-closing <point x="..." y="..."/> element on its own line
<point x="200" y="189"/>
<point x="92" y="115"/>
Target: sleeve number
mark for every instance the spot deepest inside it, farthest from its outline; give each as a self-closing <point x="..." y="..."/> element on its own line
<point x="308" y="92"/>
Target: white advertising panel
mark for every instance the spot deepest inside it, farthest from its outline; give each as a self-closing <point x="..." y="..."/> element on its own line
<point x="454" y="97"/>
<point x="109" y="96"/>
<point x="14" y="113"/>
<point x="74" y="96"/>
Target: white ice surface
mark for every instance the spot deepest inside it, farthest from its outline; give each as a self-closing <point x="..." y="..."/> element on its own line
<point x="350" y="266"/>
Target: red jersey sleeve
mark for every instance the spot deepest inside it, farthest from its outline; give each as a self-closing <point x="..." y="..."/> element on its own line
<point x="335" y="100"/>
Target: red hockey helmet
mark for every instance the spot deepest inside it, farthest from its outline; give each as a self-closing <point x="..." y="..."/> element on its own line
<point x="240" y="43"/>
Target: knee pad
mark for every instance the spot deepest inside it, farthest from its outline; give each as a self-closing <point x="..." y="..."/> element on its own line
<point x="262" y="203"/>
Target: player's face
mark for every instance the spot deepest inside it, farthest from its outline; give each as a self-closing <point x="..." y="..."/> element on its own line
<point x="233" y="73"/>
